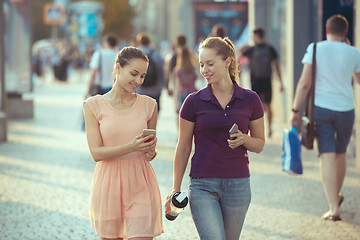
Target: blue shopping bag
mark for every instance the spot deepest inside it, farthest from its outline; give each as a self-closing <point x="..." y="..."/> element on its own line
<point x="291" y="152"/>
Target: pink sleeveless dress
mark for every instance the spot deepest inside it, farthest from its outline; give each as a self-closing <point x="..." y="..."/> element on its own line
<point x="125" y="197"/>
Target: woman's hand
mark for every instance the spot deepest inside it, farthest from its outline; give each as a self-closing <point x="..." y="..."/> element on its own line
<point x="167" y="204"/>
<point x="149" y="156"/>
<point x="144" y="144"/>
<point x="168" y="201"/>
<point x="238" y="141"/>
<point x="294" y="118"/>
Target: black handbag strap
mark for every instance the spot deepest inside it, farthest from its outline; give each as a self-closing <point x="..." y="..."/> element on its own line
<point x="310" y="106"/>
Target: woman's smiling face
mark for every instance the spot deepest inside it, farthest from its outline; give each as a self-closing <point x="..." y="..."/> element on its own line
<point x="132" y="74"/>
<point x="212" y="66"/>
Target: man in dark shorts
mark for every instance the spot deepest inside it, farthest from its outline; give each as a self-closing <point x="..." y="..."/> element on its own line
<point x="337" y="72"/>
<point x="261" y="57"/>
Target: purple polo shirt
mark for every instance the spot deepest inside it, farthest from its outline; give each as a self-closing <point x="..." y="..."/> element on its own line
<point x="213" y="158"/>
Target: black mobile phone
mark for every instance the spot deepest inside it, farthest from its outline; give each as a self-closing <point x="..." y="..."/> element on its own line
<point x="232" y="130"/>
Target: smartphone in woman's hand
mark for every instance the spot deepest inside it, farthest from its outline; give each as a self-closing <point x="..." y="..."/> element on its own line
<point x="233" y="129"/>
<point x="147" y="132"/>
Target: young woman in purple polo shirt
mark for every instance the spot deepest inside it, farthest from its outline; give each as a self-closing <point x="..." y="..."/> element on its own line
<point x="219" y="191"/>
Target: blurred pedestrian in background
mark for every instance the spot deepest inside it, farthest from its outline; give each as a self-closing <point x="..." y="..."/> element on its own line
<point x="154" y="80"/>
<point x="219" y="191"/>
<point x="64" y="60"/>
<point x="261" y="57"/>
<point x="55" y="60"/>
<point x="219" y="30"/>
<point x="336" y="63"/>
<point x="89" y="51"/>
<point x="101" y="66"/>
<point x="184" y="76"/>
<point x="77" y="61"/>
<point x="37" y="66"/>
<point x="125" y="196"/>
<point x="170" y="62"/>
<point x="180" y="69"/>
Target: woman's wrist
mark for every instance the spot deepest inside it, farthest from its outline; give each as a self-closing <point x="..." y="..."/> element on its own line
<point x="130" y="147"/>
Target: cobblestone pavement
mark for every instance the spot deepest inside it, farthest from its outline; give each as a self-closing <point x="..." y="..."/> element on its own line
<point x="46" y="171"/>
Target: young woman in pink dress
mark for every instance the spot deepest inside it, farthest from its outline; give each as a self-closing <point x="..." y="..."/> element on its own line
<point x="125" y="198"/>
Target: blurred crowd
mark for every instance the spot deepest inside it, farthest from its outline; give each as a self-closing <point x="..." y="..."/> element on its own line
<point x="176" y="65"/>
<point x="60" y="57"/>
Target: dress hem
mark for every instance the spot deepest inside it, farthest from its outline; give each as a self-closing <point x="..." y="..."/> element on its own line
<point x="135" y="236"/>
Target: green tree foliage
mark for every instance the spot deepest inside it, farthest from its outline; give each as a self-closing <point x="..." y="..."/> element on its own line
<point x="117" y="16"/>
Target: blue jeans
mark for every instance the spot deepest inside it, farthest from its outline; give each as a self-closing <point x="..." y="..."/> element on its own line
<point x="219" y="206"/>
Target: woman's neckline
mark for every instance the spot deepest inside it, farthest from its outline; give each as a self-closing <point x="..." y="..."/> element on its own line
<point x="123" y="109"/>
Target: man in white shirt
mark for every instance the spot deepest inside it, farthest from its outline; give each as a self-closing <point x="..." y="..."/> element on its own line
<point x="336" y="63"/>
<point x="102" y="65"/>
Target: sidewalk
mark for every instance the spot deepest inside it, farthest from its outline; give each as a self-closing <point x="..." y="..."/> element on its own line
<point x="46" y="172"/>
